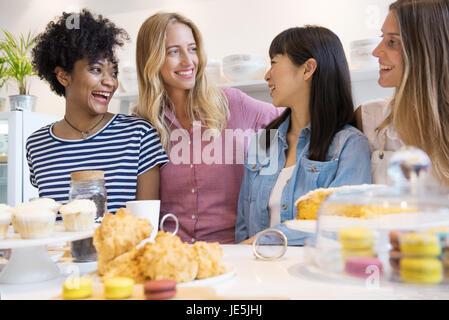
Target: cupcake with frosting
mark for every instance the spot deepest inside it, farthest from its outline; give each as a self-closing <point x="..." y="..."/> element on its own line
<point x="5" y="219"/>
<point x="34" y="222"/>
<point x="79" y="215"/>
<point x="36" y="204"/>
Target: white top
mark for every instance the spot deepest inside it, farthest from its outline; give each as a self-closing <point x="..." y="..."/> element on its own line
<point x="274" y="204"/>
<point x="383" y="143"/>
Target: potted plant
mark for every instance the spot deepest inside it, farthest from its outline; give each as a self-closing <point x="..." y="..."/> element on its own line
<point x="18" y="68"/>
<point x="3" y="78"/>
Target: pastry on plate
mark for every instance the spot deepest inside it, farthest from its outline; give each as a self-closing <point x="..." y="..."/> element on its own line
<point x="210" y="259"/>
<point x="118" y="234"/>
<point x="32" y="223"/>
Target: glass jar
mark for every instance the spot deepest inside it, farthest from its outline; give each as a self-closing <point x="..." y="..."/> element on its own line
<point x="88" y="185"/>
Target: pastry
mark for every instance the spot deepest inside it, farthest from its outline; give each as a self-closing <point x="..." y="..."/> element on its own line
<point x="169" y="258"/>
<point x="419" y="245"/>
<point x="210" y="259"/>
<point x="5" y="219"/>
<point x="118" y="288"/>
<point x="159" y="289"/>
<point x="363" y="267"/>
<point x="36" y="204"/>
<point x="125" y="265"/>
<point x="77" y="288"/>
<point x="118" y="234"/>
<point x="79" y="215"/>
<point x="34" y="222"/>
<point x="308" y="205"/>
<point x="421" y="270"/>
<point x="356" y="238"/>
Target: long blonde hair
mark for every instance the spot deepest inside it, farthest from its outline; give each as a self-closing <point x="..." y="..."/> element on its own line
<point x="205" y="102"/>
<point x="420" y="106"/>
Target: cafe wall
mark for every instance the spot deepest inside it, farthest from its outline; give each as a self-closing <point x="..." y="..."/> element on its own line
<point x="228" y="26"/>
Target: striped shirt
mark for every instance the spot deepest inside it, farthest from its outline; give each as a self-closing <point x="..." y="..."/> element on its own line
<point x="125" y="148"/>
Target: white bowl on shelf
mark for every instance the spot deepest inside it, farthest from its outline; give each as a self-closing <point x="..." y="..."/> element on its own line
<point x="213" y="71"/>
<point x="362" y="54"/>
<point x="244" y="67"/>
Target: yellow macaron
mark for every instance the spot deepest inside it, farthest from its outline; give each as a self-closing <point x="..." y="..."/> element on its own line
<point x="421" y="270"/>
<point x="420" y="244"/>
<point x="356" y="238"/>
<point x="118" y="288"/>
<point x="77" y="288"/>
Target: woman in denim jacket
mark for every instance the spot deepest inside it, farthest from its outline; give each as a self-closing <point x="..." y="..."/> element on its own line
<point x="313" y="144"/>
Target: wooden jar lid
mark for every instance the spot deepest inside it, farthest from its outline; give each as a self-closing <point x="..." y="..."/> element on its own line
<point x="87" y="175"/>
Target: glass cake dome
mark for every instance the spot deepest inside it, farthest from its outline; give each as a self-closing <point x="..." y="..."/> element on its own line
<point x="391" y="233"/>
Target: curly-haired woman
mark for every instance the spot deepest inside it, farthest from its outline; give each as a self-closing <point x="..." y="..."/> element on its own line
<point x="80" y="65"/>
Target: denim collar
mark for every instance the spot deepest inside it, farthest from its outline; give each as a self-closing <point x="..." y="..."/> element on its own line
<point x="283" y="128"/>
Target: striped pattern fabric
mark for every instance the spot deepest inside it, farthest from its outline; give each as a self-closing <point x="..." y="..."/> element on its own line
<point x="125" y="148"/>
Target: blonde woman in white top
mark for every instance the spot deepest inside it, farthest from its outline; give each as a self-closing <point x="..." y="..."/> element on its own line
<point x="413" y="59"/>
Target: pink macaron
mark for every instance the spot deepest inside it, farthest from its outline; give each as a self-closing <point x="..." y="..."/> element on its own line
<point x="363" y="267"/>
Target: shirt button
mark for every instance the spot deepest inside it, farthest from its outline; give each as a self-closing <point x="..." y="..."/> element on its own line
<point x="313" y="169"/>
<point x="254" y="166"/>
<point x="193" y="190"/>
<point x="193" y="217"/>
<point x="193" y="240"/>
<point x="191" y="166"/>
<point x="284" y="207"/>
<point x="190" y="142"/>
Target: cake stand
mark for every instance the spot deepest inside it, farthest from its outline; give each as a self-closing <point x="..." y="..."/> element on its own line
<point x="29" y="260"/>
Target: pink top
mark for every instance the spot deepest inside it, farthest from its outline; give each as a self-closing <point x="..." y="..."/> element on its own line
<point x="201" y="183"/>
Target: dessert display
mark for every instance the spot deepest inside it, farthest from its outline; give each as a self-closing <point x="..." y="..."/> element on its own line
<point x="159" y="289"/>
<point x="79" y="215"/>
<point x="117" y="242"/>
<point x="5" y="219"/>
<point x="118" y="288"/>
<point x="356" y="242"/>
<point x="77" y="288"/>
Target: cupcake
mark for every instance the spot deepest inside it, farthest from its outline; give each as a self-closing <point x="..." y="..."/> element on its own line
<point x="40" y="203"/>
<point x="79" y="215"/>
<point x="34" y="222"/>
<point x="5" y="219"/>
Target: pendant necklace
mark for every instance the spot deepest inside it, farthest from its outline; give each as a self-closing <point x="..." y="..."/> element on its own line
<point x="85" y="134"/>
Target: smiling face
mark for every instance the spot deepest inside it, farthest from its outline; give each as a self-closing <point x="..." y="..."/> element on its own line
<point x="286" y="81"/>
<point x="181" y="61"/>
<point x="389" y="53"/>
<point x="90" y="86"/>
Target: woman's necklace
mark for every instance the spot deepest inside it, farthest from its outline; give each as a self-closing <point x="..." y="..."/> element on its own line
<point x="85" y="134"/>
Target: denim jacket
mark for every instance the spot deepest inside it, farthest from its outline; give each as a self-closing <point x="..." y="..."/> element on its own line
<point x="347" y="163"/>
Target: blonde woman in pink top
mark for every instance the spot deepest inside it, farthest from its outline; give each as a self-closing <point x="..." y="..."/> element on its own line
<point x="204" y="129"/>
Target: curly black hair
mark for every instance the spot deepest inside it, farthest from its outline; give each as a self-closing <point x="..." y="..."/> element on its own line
<point x="74" y="36"/>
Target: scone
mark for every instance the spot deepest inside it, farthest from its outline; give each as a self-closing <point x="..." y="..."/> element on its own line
<point x="5" y="219"/>
<point x="117" y="235"/>
<point x="210" y="259"/>
<point x="169" y="258"/>
<point x="79" y="215"/>
<point x="34" y="223"/>
<point x="125" y="265"/>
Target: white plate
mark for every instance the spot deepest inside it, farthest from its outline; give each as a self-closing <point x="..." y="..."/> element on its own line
<point x="230" y="273"/>
<point x="387" y="222"/>
<point x="13" y="240"/>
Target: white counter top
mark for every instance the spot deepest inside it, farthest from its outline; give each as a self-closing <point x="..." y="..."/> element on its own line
<point x="288" y="277"/>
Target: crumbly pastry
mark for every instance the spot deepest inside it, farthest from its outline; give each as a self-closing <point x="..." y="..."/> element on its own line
<point x="79" y="215"/>
<point x="210" y="259"/>
<point x="5" y="219"/>
<point x="169" y="258"/>
<point x="308" y="205"/>
<point x="34" y="223"/>
<point x="125" y="265"/>
<point x="117" y="235"/>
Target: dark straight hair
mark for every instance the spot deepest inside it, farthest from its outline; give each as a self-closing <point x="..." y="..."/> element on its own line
<point x="331" y="106"/>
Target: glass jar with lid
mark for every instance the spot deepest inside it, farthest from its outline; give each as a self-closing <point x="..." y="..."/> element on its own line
<point x="90" y="185"/>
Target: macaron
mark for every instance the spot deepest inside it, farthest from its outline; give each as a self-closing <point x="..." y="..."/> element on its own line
<point x="394" y="237"/>
<point x="419" y="244"/>
<point x="421" y="270"/>
<point x="356" y="238"/>
<point x="77" y="288"/>
<point x="159" y="289"/>
<point x="118" y="288"/>
<point x="363" y="267"/>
